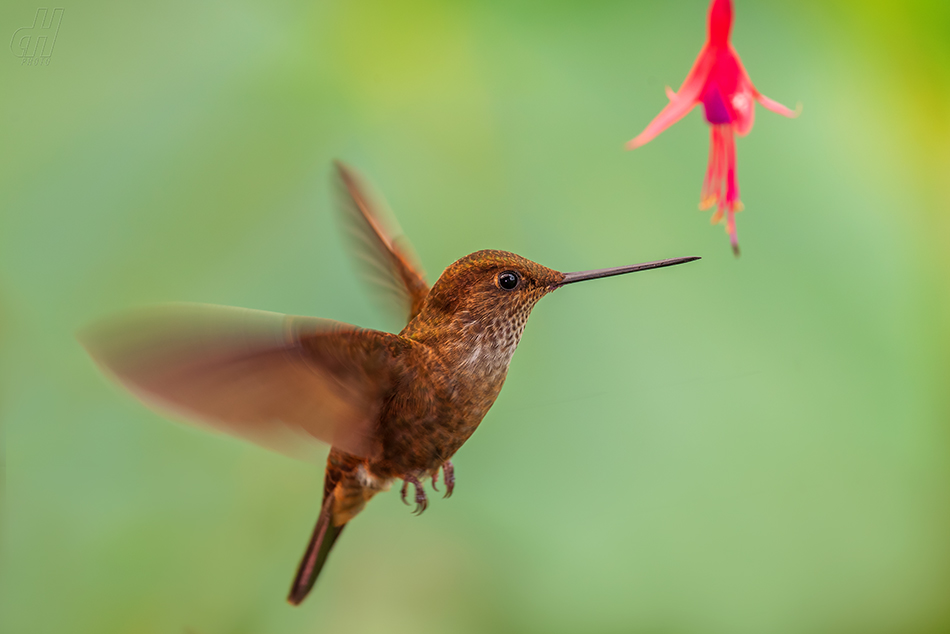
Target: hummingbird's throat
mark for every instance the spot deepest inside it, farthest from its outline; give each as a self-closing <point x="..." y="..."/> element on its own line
<point x="486" y="348"/>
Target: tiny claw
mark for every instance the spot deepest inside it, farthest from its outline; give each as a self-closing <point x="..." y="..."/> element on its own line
<point x="435" y="480"/>
<point x="448" y="472"/>
<point x="402" y="492"/>
<point x="422" y="503"/>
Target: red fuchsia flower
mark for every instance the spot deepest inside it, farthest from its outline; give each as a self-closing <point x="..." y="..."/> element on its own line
<point x="719" y="82"/>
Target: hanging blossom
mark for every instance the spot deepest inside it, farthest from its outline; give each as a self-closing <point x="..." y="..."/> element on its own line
<point x="719" y="82"/>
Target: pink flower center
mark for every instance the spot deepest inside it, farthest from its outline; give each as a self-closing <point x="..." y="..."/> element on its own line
<point x="717" y="112"/>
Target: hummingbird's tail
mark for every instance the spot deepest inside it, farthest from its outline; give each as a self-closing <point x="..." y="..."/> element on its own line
<point x="324" y="536"/>
<point x="344" y="495"/>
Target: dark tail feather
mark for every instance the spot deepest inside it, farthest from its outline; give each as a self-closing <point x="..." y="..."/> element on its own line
<point x="324" y="536"/>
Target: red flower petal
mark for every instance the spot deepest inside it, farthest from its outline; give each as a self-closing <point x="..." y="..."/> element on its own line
<point x="775" y="106"/>
<point x="743" y="108"/>
<point x="680" y="103"/>
<point x="673" y="112"/>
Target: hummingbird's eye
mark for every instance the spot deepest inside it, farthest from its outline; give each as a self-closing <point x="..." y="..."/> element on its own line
<point x="508" y="280"/>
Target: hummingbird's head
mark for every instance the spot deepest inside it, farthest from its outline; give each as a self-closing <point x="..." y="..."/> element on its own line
<point x="482" y="301"/>
<point x="477" y="309"/>
<point x="489" y="286"/>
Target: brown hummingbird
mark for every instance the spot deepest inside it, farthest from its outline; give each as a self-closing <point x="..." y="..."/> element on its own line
<point x="391" y="406"/>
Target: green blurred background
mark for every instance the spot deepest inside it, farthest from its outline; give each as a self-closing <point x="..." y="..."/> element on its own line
<point x="733" y="446"/>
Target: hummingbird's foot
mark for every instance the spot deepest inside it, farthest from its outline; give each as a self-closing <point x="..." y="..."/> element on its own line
<point x="448" y="471"/>
<point x="421" y="501"/>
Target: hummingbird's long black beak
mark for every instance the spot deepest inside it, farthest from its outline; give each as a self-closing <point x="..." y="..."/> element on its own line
<point x="580" y="276"/>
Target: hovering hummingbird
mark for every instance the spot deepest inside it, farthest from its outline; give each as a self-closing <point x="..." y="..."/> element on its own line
<point x="391" y="406"/>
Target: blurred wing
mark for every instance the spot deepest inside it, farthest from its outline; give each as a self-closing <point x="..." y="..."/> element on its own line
<point x="262" y="376"/>
<point x="384" y="255"/>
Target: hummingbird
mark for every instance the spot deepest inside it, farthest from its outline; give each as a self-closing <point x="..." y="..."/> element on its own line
<point x="392" y="407"/>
